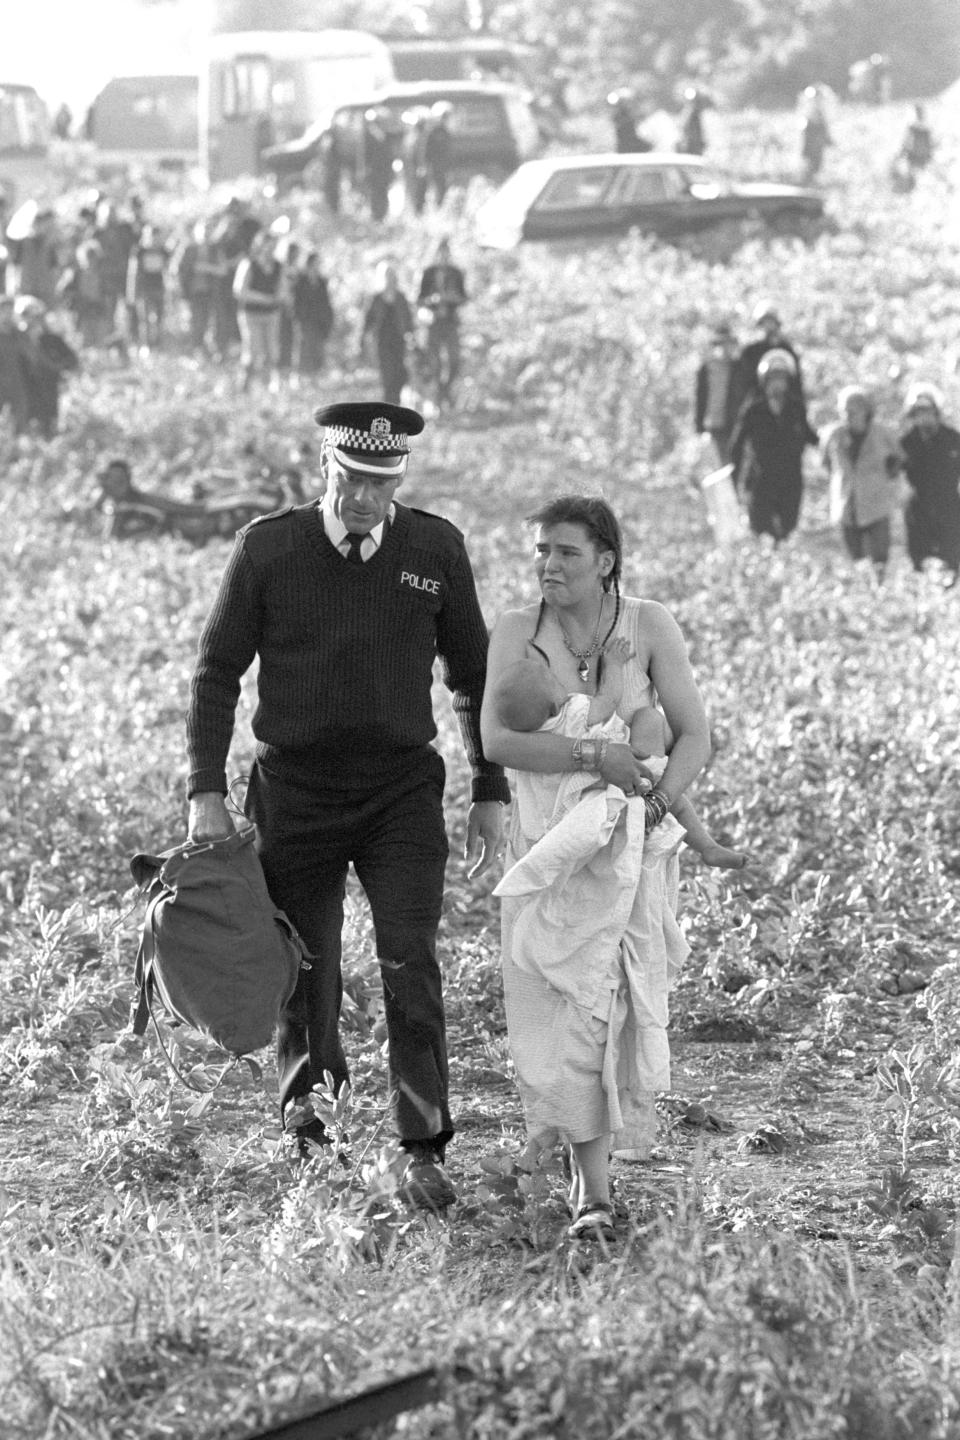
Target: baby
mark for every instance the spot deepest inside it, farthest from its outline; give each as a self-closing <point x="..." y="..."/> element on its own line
<point x="528" y="696"/>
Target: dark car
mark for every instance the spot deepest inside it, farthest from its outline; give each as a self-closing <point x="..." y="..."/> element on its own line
<point x="584" y="195"/>
<point x="492" y="127"/>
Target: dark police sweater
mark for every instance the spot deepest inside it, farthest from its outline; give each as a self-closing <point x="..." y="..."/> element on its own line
<point x="346" y="653"/>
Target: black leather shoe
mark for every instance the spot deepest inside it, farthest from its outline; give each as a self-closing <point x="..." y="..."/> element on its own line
<point x="424" y="1184"/>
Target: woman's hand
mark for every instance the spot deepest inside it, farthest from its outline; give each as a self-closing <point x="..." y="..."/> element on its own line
<point x="622" y="768"/>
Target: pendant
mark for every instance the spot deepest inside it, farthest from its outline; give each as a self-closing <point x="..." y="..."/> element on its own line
<point x="583" y="670"/>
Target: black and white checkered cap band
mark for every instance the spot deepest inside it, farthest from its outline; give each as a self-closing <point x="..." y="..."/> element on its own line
<point x="350" y="461"/>
<point x="374" y="442"/>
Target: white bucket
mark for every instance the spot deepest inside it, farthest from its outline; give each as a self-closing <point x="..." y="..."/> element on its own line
<point x="727" y="520"/>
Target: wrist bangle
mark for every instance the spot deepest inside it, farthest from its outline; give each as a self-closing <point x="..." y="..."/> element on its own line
<point x="578" y="754"/>
<point x="602" y="745"/>
<point x="656" y="805"/>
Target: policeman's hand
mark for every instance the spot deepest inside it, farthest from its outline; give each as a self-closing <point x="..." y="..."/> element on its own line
<point x="484" y="833"/>
<point x="622" y="768"/>
<point x="209" y="818"/>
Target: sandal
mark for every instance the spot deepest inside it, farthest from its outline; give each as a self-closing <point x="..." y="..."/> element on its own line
<point x="594" y="1222"/>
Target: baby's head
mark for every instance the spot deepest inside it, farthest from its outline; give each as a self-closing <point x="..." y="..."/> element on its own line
<point x="527" y="695"/>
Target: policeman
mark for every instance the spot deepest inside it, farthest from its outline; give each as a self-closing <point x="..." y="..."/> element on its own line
<point x="347" y="601"/>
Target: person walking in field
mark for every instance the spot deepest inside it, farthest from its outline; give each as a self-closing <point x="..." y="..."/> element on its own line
<point x="767" y="320"/>
<point x="378" y="157"/>
<point x="290" y="260"/>
<point x="312" y="316"/>
<point x="588" y="1031"/>
<point x="767" y="445"/>
<point x="14" y="402"/>
<point x="438" y="151"/>
<point x="718" y="391"/>
<point x="815" y="134"/>
<point x="48" y="360"/>
<point x="863" y="459"/>
<point x="348" y="600"/>
<point x="387" y="329"/>
<point x="691" y="139"/>
<point x="915" y="153"/>
<point x="34" y="263"/>
<point x="147" y="286"/>
<point x="256" y="289"/>
<point x="931" y="451"/>
<point x="197" y="268"/>
<point x="443" y="292"/>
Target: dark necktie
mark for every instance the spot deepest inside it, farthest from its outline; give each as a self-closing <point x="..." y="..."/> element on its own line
<point x="354" y="541"/>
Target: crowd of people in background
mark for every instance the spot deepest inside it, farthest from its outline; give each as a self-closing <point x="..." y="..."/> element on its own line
<point x="253" y="297"/>
<point x="228" y="287"/>
<point x="750" y="403"/>
<point x="632" y="124"/>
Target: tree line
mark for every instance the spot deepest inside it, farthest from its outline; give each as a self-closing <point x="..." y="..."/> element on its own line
<point x="745" y="51"/>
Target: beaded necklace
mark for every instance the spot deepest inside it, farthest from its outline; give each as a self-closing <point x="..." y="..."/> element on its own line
<point x="583" y="669"/>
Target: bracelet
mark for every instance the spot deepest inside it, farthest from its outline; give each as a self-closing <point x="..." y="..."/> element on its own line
<point x="578" y="754"/>
<point x="602" y="746"/>
<point x="656" y="805"/>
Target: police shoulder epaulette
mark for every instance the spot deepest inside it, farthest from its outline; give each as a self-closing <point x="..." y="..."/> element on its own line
<point x="437" y="519"/>
<point x="270" y="515"/>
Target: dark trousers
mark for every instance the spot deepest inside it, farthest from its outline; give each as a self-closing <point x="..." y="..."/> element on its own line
<point x="932" y="536"/>
<point x="394" y="836"/>
<point x="868" y="542"/>
<point x="773" y="512"/>
<point x="443" y="353"/>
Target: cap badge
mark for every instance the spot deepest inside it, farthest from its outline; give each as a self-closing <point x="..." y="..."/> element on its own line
<point x="380" y="425"/>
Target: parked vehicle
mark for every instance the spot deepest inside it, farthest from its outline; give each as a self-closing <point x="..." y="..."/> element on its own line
<point x="267" y="71"/>
<point x="146" y="120"/>
<point x="669" y="194"/>
<point x="24" y="143"/>
<point x="492" y="127"/>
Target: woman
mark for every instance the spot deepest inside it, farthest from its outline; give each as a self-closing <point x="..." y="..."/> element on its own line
<point x="312" y="316"/>
<point x="767" y="445"/>
<point x="863" y="459"/>
<point x="256" y="289"/>
<point x="719" y="389"/>
<point x="814" y="132"/>
<point x="147" y="285"/>
<point x="388" y="324"/>
<point x="589" y="1070"/>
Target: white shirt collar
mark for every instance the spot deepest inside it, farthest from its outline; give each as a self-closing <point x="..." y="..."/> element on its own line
<point x="337" y="531"/>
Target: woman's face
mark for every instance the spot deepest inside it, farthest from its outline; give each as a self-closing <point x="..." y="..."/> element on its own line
<point x="569" y="565"/>
<point x="776" y="385"/>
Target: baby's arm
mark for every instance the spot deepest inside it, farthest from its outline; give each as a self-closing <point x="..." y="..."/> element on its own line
<point x="610" y="690"/>
<point x="650" y="735"/>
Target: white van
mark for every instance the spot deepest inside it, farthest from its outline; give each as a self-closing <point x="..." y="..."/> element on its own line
<point x="261" y="87"/>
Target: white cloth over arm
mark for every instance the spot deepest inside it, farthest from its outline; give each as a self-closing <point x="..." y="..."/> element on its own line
<point x="589" y="881"/>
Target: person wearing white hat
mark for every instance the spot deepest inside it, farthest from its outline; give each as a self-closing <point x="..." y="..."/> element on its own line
<point x="768" y="322"/>
<point x="767" y="445"/>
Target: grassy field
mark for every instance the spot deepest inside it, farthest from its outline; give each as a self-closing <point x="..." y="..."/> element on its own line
<point x="786" y="1271"/>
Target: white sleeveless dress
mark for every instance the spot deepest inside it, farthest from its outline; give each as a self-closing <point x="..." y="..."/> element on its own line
<point x="590" y="1051"/>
